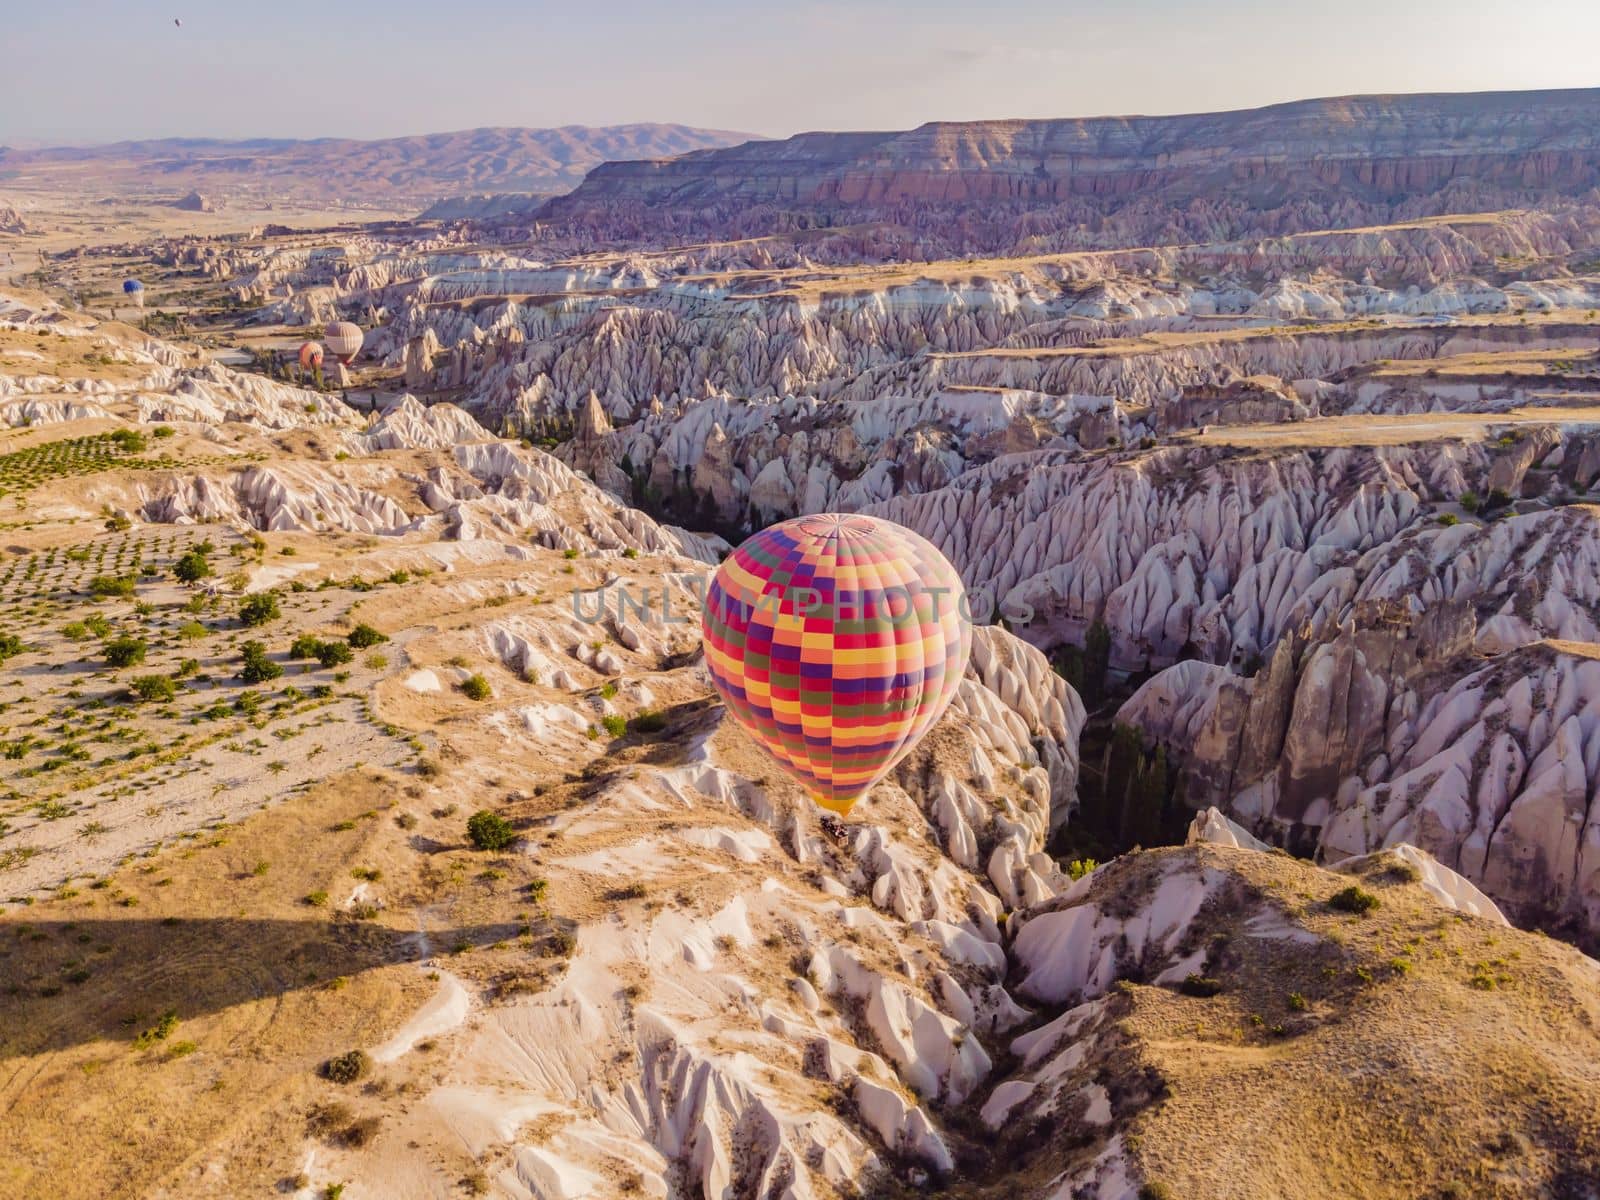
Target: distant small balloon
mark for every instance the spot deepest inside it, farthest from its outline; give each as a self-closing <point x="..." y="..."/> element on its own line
<point x="134" y="290"/>
<point x="311" y="356"/>
<point x="177" y="22"/>
<point x="343" y="340"/>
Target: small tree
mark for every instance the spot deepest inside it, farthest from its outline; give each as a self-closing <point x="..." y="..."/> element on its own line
<point x="125" y="651"/>
<point x="349" y="1067"/>
<point x="364" y="636"/>
<point x="1096" y="661"/>
<point x="112" y="585"/>
<point x="334" y="654"/>
<point x="154" y="688"/>
<point x="192" y="567"/>
<point x="258" y="668"/>
<point x="489" y="831"/>
<point x="259" y="608"/>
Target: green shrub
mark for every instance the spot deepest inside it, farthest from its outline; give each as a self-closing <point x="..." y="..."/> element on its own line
<point x="615" y="725"/>
<point x="10" y="645"/>
<point x="1079" y="867"/>
<point x="159" y="1032"/>
<point x="349" y="1067"/>
<point x="191" y="567"/>
<point x="489" y="831"/>
<point x="112" y="585"/>
<point x="363" y="637"/>
<point x="258" y="668"/>
<point x="125" y="651"/>
<point x="191" y="631"/>
<point x="476" y="687"/>
<point x="154" y="688"/>
<point x="1353" y="899"/>
<point x="305" y="646"/>
<point x="333" y="654"/>
<point x="1469" y="501"/>
<point x="649" y="721"/>
<point x="259" y="608"/>
<point x="1200" y="985"/>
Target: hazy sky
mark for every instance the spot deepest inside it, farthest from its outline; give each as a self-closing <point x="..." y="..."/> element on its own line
<point x="99" y="70"/>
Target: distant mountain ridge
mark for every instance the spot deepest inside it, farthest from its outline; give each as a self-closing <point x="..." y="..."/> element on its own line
<point x="406" y="170"/>
<point x="1310" y="164"/>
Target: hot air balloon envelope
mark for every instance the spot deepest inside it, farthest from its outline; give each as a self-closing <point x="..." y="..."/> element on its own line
<point x="343" y="340"/>
<point x="134" y="290"/>
<point x="310" y="355"/>
<point x="836" y="641"/>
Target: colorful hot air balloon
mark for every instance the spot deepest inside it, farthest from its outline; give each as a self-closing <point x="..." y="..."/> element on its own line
<point x="310" y="355"/>
<point x="836" y="642"/>
<point x="343" y="340"/>
<point x="134" y="290"/>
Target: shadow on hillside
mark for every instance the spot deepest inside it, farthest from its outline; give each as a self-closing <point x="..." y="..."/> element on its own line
<point x="64" y="983"/>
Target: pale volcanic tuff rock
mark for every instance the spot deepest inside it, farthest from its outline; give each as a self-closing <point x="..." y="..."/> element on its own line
<point x="491" y="491"/>
<point x="215" y="394"/>
<point x="634" y="334"/>
<point x="1182" y="552"/>
<point x="900" y="993"/>
<point x="411" y="425"/>
<point x="195" y="202"/>
<point x="212" y="395"/>
<point x="521" y="486"/>
<point x="47" y="410"/>
<point x="1158" y="920"/>
<point x="632" y="355"/>
<point x="281" y="497"/>
<point x="1437" y="694"/>
<point x="1428" y="268"/>
<point x="481" y="205"/>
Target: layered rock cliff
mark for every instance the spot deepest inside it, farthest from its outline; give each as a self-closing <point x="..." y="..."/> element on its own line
<point x="995" y="185"/>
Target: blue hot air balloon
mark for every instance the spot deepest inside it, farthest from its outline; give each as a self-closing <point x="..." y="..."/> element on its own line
<point x="134" y="290"/>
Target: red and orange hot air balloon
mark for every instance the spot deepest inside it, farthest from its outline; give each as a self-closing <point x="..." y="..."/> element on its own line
<point x="311" y="355"/>
<point x="836" y="641"/>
